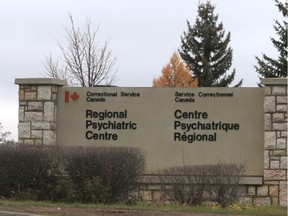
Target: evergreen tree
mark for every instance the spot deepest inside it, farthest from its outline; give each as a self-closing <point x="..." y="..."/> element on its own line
<point x="205" y="49"/>
<point x="269" y="67"/>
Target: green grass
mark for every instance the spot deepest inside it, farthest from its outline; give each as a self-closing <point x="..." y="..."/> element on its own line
<point x="235" y="209"/>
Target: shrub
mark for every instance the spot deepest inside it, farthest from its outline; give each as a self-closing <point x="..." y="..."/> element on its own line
<point x="65" y="190"/>
<point x="95" y="190"/>
<point x="110" y="172"/>
<point x="85" y="174"/>
<point x="225" y="182"/>
<point x="186" y="184"/>
<point x="192" y="184"/>
<point x="27" y="172"/>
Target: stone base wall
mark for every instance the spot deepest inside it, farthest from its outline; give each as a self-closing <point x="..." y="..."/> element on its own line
<point x="37" y="111"/>
<point x="275" y="154"/>
<point x="258" y="195"/>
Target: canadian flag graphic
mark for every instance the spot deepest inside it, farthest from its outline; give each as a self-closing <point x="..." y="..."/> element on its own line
<point x="74" y="96"/>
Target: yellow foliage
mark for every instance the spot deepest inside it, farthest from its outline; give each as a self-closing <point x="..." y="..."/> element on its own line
<point x="175" y="74"/>
<point x="236" y="206"/>
<point x="215" y="205"/>
<point x="240" y="207"/>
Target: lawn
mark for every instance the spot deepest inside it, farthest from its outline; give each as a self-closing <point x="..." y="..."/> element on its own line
<point x="59" y="209"/>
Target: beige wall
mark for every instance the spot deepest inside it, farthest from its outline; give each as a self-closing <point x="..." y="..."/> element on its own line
<point x="155" y="112"/>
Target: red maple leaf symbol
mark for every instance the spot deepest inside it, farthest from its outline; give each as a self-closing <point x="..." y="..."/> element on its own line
<point x="74" y="96"/>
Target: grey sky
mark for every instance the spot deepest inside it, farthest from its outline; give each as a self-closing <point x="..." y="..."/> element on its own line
<point x="143" y="36"/>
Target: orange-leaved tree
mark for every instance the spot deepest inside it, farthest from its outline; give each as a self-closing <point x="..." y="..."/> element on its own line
<point x="175" y="74"/>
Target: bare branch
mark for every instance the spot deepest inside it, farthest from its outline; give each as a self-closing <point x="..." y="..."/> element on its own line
<point x="85" y="62"/>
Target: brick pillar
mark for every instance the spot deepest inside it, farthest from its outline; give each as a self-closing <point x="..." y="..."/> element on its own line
<point x="275" y="155"/>
<point x="38" y="110"/>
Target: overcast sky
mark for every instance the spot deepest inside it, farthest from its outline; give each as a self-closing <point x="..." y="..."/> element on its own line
<point x="143" y="35"/>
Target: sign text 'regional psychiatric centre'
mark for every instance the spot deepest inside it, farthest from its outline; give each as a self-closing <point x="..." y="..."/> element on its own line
<point x="173" y="126"/>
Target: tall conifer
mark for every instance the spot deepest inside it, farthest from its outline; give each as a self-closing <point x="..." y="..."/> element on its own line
<point x="268" y="67"/>
<point x="205" y="50"/>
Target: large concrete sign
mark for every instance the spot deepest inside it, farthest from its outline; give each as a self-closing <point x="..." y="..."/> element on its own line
<point x="174" y="126"/>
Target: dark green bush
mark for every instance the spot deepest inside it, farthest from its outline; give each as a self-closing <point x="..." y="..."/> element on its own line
<point x="66" y="190"/>
<point x="95" y="191"/>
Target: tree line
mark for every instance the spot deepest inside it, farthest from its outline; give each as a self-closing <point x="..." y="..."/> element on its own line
<point x="204" y="58"/>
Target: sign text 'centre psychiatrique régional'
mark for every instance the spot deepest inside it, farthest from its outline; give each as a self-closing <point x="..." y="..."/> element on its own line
<point x="204" y="123"/>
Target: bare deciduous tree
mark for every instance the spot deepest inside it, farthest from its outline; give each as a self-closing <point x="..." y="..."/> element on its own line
<point x="85" y="62"/>
<point x="4" y="135"/>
